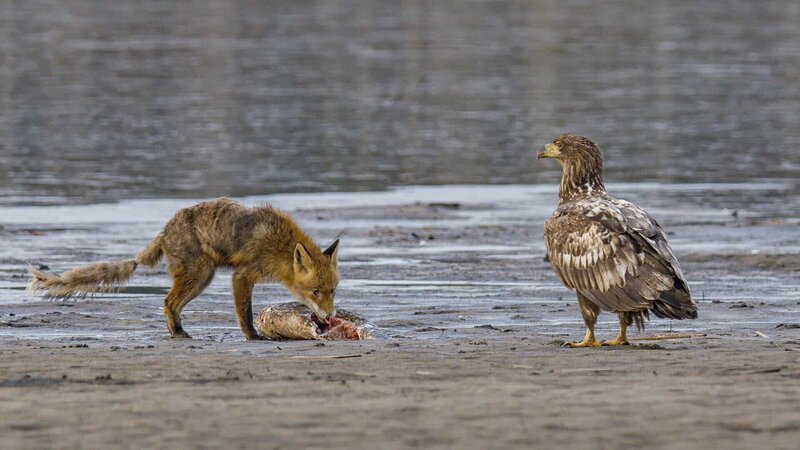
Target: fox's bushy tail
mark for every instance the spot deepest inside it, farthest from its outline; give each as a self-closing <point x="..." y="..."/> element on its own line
<point x="97" y="277"/>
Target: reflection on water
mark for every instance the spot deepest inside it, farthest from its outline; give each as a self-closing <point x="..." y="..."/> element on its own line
<point x="107" y="100"/>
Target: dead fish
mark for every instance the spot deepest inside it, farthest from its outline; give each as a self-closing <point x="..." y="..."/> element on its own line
<point x="296" y="321"/>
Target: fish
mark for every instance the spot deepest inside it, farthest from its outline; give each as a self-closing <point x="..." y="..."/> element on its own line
<point x="291" y="320"/>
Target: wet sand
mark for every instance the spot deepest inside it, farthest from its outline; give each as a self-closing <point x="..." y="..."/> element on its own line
<point x="456" y="277"/>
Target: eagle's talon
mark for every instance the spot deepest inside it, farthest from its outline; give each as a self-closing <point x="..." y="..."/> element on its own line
<point x="591" y="343"/>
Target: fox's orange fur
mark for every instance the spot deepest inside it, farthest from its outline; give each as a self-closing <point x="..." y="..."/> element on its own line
<point x="260" y="244"/>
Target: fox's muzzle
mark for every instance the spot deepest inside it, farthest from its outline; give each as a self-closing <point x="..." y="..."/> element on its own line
<point x="323" y="316"/>
<point x="319" y="312"/>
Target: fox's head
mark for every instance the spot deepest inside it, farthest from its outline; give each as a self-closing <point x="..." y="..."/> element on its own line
<point x="316" y="278"/>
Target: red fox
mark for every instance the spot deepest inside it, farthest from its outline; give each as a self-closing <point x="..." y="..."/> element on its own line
<point x="260" y="244"/>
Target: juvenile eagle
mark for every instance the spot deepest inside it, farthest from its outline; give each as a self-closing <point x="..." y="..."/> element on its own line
<point x="610" y="251"/>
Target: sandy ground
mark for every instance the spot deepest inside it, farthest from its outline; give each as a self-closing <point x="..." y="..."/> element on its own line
<point x="487" y="390"/>
<point x="476" y="320"/>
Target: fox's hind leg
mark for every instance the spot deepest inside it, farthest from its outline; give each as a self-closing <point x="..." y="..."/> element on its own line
<point x="188" y="281"/>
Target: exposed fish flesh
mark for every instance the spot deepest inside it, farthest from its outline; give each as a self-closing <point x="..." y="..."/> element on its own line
<point x="295" y="321"/>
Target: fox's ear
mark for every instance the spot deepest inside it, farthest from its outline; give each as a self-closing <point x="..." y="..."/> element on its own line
<point x="333" y="252"/>
<point x="302" y="260"/>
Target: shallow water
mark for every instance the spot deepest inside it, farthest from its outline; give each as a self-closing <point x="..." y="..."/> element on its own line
<point x="416" y="269"/>
<point x="108" y="100"/>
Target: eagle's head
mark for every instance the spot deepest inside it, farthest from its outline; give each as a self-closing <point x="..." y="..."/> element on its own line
<point x="582" y="161"/>
<point x="569" y="148"/>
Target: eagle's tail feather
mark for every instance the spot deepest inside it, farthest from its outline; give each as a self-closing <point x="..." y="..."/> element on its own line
<point x="676" y="303"/>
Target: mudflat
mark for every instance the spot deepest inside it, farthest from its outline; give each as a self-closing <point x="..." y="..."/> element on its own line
<point x="487" y="389"/>
<point x="475" y="319"/>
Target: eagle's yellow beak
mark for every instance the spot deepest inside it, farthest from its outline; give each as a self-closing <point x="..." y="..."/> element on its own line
<point x="550" y="151"/>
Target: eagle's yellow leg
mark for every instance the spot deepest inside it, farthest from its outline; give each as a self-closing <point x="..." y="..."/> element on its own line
<point x="588" y="340"/>
<point x="622" y="337"/>
<point x="589" y="311"/>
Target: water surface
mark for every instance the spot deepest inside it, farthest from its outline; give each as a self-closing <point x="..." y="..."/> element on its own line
<point x="102" y="101"/>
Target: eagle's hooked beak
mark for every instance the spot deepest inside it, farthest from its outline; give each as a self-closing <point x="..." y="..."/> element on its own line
<point x="550" y="151"/>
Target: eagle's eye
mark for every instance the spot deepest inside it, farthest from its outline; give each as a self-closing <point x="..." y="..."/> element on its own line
<point x="559" y="144"/>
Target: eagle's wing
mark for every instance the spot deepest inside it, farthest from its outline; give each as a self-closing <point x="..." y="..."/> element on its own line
<point x="594" y="249"/>
<point x="677" y="302"/>
<point x="639" y="220"/>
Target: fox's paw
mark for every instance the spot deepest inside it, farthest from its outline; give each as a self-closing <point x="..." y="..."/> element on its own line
<point x="255" y="337"/>
<point x="180" y="334"/>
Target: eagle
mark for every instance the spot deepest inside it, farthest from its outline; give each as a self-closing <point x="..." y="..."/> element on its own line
<point x="609" y="251"/>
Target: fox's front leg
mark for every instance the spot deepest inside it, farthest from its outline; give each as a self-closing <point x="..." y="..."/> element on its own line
<point x="243" y="301"/>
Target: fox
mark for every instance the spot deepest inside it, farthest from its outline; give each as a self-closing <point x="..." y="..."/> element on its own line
<point x="260" y="244"/>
